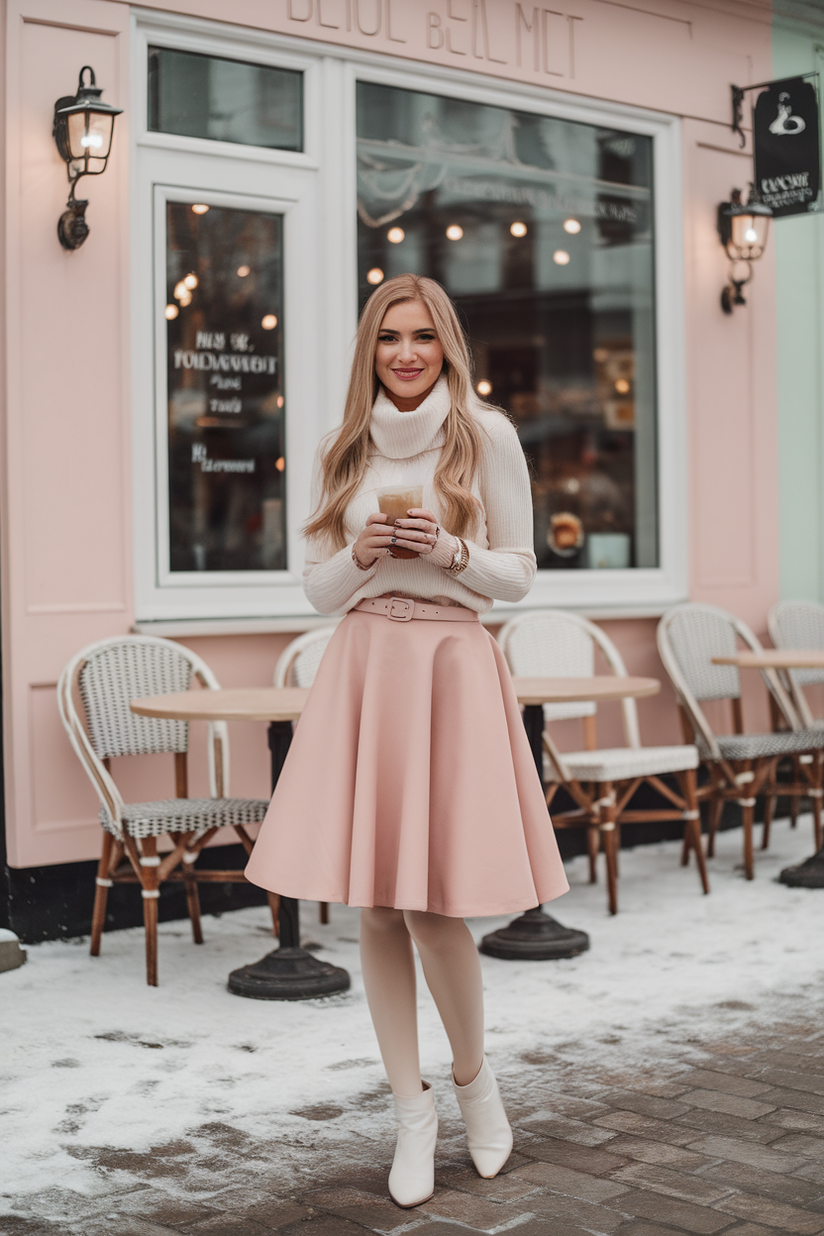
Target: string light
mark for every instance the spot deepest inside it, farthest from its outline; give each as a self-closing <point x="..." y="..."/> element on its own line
<point x="268" y="321"/>
<point x="375" y="275"/>
<point x="572" y="226"/>
<point x="243" y="271"/>
<point x="171" y="312"/>
<point x="561" y="257"/>
<point x="395" y="235"/>
<point x="518" y="229"/>
<point x="484" y="387"/>
<point x="190" y="281"/>
<point x="454" y="231"/>
<point x="200" y="209"/>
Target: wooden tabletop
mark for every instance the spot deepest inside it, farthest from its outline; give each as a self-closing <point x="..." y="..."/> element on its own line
<point x="775" y="658"/>
<point x="231" y="704"/>
<point x="287" y="703"/>
<point x="574" y="690"/>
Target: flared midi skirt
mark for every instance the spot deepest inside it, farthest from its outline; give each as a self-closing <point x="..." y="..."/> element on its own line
<point x="410" y="782"/>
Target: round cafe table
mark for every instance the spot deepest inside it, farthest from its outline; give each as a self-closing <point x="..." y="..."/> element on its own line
<point x="292" y="973"/>
<point x="809" y="873"/>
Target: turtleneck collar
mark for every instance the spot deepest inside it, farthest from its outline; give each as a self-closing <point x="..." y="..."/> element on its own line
<point x="400" y="435"/>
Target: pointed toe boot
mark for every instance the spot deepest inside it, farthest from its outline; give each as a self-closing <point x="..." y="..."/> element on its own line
<point x="487" y="1128"/>
<point x="412" y="1178"/>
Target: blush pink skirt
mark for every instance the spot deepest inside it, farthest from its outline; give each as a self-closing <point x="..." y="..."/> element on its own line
<point x="410" y="782"/>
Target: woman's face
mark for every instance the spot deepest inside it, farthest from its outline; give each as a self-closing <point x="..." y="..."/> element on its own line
<point x="409" y="356"/>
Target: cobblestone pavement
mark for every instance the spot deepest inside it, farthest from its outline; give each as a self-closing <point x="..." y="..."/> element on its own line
<point x="728" y="1137"/>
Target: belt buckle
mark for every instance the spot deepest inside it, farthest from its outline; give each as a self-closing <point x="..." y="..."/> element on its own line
<point x="406" y="613"/>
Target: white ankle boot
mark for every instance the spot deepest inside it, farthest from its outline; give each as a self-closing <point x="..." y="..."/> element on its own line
<point x="487" y="1128"/>
<point x="412" y="1178"/>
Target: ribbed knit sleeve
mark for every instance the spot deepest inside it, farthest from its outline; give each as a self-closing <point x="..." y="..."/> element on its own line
<point x="506" y="569"/>
<point x="329" y="579"/>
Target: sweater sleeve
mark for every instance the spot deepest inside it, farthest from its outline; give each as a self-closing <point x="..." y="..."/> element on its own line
<point x="506" y="569"/>
<point x="329" y="579"/>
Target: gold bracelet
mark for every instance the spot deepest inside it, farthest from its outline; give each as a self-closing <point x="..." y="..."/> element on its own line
<point x="359" y="564"/>
<point x="455" y="568"/>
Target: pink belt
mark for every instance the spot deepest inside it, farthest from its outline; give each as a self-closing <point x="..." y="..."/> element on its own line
<point x="401" y="609"/>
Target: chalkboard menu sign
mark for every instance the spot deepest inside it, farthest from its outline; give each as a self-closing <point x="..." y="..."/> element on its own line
<point x="224" y="317"/>
<point x="787" y="147"/>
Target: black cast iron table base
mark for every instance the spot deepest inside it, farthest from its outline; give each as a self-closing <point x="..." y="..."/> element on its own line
<point x="809" y="874"/>
<point x="289" y="972"/>
<point x="535" y="936"/>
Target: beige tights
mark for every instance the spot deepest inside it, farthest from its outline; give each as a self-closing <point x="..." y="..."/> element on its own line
<point x="452" y="970"/>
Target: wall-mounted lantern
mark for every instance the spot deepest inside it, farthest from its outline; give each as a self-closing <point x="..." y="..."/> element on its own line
<point x="83" y="127"/>
<point x="743" y="229"/>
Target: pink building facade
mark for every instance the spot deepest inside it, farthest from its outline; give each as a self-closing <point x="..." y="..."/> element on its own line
<point x="157" y="446"/>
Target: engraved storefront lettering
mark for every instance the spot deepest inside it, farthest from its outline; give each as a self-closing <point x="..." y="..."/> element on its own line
<point x="552" y="35"/>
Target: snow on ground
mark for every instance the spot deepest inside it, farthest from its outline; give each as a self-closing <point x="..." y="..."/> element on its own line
<point x="94" y="1058"/>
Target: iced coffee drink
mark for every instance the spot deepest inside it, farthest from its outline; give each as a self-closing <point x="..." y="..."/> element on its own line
<point x="394" y="504"/>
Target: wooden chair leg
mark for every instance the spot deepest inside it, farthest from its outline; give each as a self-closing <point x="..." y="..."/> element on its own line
<point x="793" y="809"/>
<point x="274" y="906"/>
<point x="609" y="831"/>
<point x="747" y="811"/>
<point x="323" y="911"/>
<point x="815" y="797"/>
<point x="101" y="893"/>
<point x="692" y="826"/>
<point x="716" y="808"/>
<point x="769" y="807"/>
<point x="593" y="846"/>
<point x="192" y="898"/>
<point x="149" y="863"/>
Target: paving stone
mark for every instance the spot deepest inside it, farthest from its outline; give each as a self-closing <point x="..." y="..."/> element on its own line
<point x="324" y="1225"/>
<point x="794" y="1079"/>
<point x="275" y="1215"/>
<point x="747" y="1152"/>
<point x="159" y="1207"/>
<point x="788" y="1219"/>
<point x="574" y="1184"/>
<point x="591" y="1216"/>
<point x="373" y="1210"/>
<point x="224" y="1225"/>
<point x="645" y="1104"/>
<point x="730" y="1104"/>
<point x="131" y="1226"/>
<point x="785" y="1118"/>
<point x="798" y="1143"/>
<point x="795" y="1098"/>
<point x="812" y="1171"/>
<point x="749" y="1229"/>
<point x="478" y="1212"/>
<point x="548" y="1124"/>
<point x="647" y="1126"/>
<point x="684" y="1216"/>
<point x="640" y="1228"/>
<point x="752" y="1179"/>
<point x="730" y="1126"/>
<point x="508" y="1188"/>
<point x="646" y="1151"/>
<point x="675" y="1184"/>
<point x="579" y="1158"/>
<point x="706" y="1079"/>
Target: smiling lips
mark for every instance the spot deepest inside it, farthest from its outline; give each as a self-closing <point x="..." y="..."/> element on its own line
<point x="407" y="375"/>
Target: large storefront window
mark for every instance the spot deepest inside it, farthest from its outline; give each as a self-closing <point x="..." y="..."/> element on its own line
<point x="542" y="231"/>
<point x="225" y="389"/>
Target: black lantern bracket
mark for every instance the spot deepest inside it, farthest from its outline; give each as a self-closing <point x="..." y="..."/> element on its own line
<point x="82" y="130"/>
<point x="738" y="93"/>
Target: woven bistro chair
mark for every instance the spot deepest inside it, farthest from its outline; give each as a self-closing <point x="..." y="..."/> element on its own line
<point x="799" y="624"/>
<point x="601" y="781"/>
<point x="102" y="678"/>
<point x="296" y="667"/>
<point x="741" y="766"/>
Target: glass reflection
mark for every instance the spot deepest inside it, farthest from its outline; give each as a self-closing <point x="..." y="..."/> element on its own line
<point x="541" y="230"/>
<point x="225" y="100"/>
<point x="225" y="384"/>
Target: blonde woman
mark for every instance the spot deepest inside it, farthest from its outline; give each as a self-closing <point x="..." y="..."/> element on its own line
<point x="410" y="789"/>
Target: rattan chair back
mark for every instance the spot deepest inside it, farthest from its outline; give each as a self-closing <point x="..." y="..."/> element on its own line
<point x="299" y="661"/>
<point x="799" y="624"/>
<point x="554" y="643"/>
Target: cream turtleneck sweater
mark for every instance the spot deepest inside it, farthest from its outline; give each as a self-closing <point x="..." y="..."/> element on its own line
<point x="405" y="447"/>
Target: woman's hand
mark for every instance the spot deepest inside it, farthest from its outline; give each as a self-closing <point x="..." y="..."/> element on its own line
<point x="374" y="541"/>
<point x="421" y="533"/>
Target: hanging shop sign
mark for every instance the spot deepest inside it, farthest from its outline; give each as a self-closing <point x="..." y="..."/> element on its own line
<point x="787" y="148"/>
<point x="786" y="143"/>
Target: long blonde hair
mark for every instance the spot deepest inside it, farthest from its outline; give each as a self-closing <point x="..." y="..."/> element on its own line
<point x="345" y="461"/>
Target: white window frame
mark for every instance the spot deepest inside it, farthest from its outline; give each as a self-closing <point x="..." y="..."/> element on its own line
<point x="331" y="75"/>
